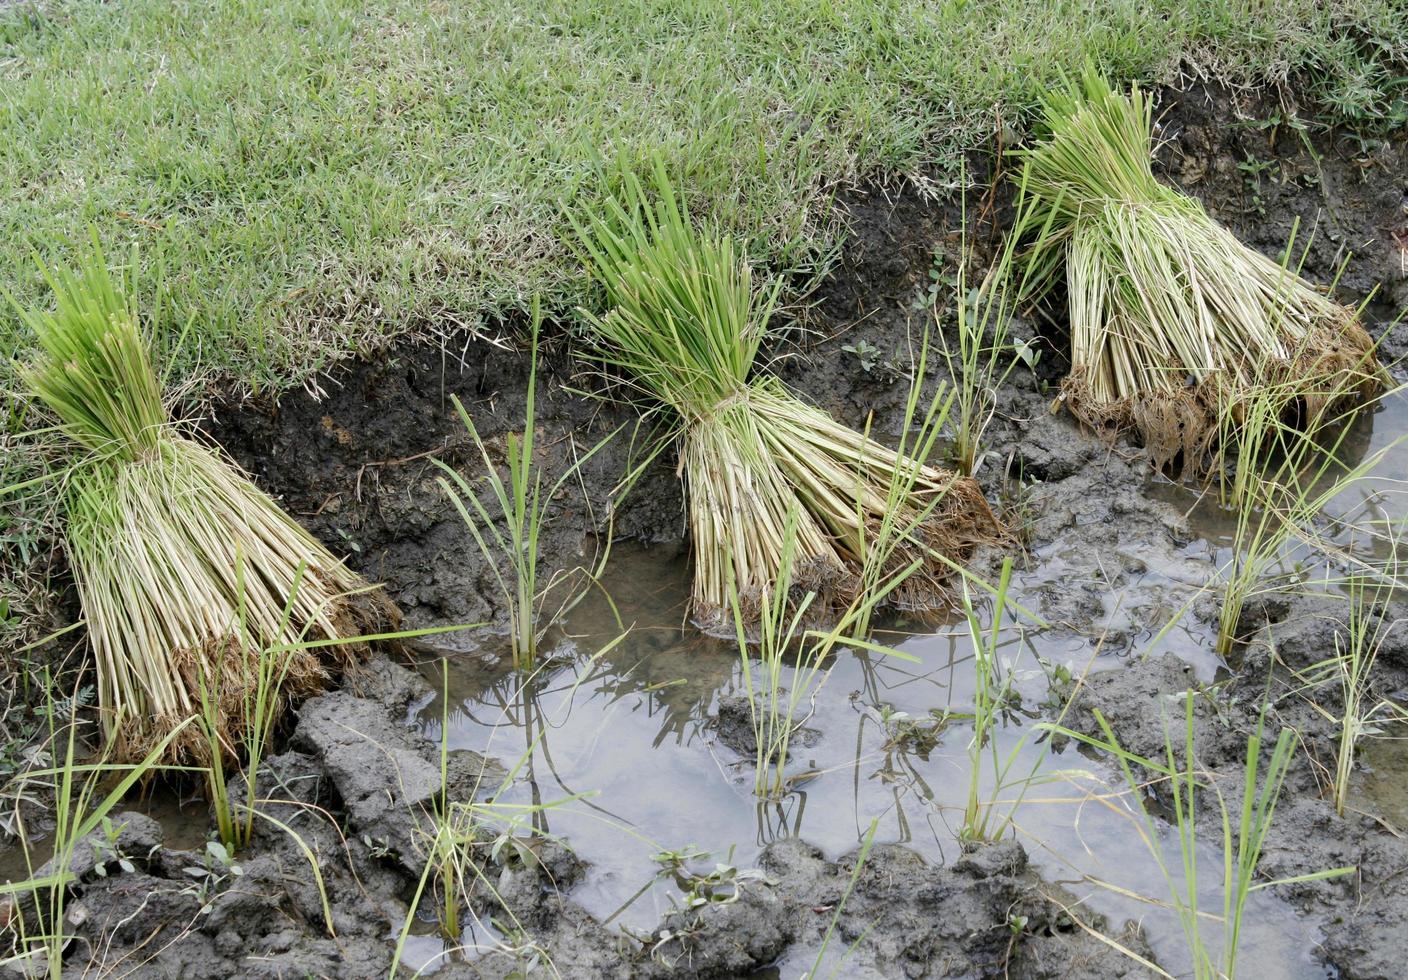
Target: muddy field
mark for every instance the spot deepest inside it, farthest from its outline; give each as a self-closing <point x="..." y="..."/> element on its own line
<point x="644" y="741"/>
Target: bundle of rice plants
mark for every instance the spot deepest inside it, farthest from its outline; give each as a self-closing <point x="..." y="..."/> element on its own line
<point x="185" y="570"/>
<point x="685" y="324"/>
<point x="1173" y="321"/>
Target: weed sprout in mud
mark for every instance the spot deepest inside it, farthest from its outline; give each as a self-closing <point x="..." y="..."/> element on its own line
<point x="1367" y="627"/>
<point x="779" y="625"/>
<point x="861" y="857"/>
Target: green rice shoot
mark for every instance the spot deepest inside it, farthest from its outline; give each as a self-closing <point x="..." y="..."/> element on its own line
<point x="1212" y="938"/>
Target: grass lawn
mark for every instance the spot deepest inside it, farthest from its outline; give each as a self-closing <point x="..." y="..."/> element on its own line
<point x="307" y="178"/>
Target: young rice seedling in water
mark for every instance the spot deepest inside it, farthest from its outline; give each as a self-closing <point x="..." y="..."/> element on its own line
<point x="1357" y="649"/>
<point x="1366" y="628"/>
<point x="783" y="639"/>
<point x="988" y="819"/>
<point x="1278" y="509"/>
<point x="1213" y="959"/>
<point x="509" y="539"/>
<point x="991" y="687"/>
<point x="459" y="836"/>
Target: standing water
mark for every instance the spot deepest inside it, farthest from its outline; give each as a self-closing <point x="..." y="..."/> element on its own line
<point x="887" y="740"/>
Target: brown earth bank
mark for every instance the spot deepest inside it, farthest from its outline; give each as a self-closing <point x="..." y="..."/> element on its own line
<point x="356" y="467"/>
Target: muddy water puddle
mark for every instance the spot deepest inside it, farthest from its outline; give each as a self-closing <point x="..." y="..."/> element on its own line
<point x="632" y="730"/>
<point x="1377" y="499"/>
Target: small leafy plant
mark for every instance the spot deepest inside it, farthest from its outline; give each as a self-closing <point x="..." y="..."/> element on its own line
<point x="865" y="353"/>
<point x="722" y="885"/>
<point x="217" y="866"/>
<point x="108" y="850"/>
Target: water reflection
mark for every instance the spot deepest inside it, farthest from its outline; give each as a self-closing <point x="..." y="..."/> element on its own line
<point x="1377" y="786"/>
<point x="628" y="721"/>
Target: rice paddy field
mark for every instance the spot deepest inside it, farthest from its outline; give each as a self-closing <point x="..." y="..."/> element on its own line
<point x="1084" y="696"/>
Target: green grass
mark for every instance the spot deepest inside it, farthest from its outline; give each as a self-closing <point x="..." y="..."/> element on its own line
<point x="315" y="176"/>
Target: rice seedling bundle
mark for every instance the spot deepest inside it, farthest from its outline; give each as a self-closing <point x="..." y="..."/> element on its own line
<point x="1173" y="321"/>
<point x="187" y="573"/>
<point x="685" y="324"/>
